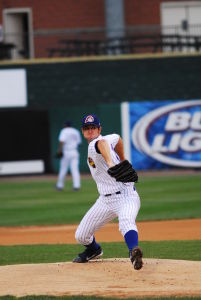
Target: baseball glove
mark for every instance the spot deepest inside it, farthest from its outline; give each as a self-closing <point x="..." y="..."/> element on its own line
<point x="59" y="154"/>
<point x="123" y="172"/>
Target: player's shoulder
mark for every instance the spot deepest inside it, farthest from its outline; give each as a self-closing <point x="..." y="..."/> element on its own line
<point x="66" y="129"/>
<point x="111" y="137"/>
<point x="75" y="130"/>
<point x="93" y="142"/>
<point x="63" y="131"/>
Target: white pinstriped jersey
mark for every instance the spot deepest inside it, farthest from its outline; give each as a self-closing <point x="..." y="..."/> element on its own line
<point x="98" y="166"/>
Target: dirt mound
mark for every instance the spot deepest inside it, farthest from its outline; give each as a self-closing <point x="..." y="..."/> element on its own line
<point x="112" y="277"/>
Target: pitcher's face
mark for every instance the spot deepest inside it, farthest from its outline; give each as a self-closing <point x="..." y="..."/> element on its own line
<point x="91" y="132"/>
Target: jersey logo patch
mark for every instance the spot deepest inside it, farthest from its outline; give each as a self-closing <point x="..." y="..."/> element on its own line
<point x="91" y="162"/>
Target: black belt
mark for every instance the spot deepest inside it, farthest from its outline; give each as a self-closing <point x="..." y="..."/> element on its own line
<point x="117" y="193"/>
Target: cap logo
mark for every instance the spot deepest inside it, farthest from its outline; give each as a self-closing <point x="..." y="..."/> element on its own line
<point x="89" y="119"/>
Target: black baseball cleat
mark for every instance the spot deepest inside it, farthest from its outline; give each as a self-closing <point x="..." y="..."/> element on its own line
<point x="87" y="255"/>
<point x="136" y="258"/>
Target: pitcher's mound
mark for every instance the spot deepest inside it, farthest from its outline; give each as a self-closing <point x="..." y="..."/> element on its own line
<point x="108" y="277"/>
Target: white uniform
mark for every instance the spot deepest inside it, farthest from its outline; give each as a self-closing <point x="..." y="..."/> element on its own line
<point x="70" y="137"/>
<point x="116" y="199"/>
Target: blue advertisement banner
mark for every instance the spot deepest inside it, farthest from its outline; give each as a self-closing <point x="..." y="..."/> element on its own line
<point x="165" y="134"/>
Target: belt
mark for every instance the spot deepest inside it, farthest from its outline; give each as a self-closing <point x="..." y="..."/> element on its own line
<point x="108" y="195"/>
<point x="117" y="193"/>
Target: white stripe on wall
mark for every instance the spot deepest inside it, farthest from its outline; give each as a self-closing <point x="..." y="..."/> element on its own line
<point x="22" y="167"/>
<point x="125" y="128"/>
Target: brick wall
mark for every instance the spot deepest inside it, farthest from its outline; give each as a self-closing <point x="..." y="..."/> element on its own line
<point x="62" y="13"/>
<point x="85" y="13"/>
<point x="144" y="11"/>
<point x="1" y="13"/>
<point x="74" y="14"/>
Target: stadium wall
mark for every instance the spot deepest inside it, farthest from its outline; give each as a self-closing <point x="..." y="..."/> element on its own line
<point x="69" y="88"/>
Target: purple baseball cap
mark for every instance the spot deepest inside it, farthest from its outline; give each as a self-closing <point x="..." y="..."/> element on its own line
<point x="91" y="120"/>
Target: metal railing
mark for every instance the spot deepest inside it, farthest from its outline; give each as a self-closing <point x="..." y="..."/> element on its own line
<point x="95" y="41"/>
<point x="127" y="45"/>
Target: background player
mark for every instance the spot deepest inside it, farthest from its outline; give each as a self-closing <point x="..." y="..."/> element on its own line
<point x="69" y="140"/>
<point x="117" y="198"/>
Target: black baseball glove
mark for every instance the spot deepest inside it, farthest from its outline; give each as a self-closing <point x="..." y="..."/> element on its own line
<point x="123" y="172"/>
<point x="59" y="154"/>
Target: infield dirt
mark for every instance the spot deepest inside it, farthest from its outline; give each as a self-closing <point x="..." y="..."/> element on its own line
<point x="65" y="234"/>
<point x="113" y="278"/>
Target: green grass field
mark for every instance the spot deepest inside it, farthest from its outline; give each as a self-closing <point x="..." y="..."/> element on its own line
<point x="24" y="254"/>
<point x="35" y="202"/>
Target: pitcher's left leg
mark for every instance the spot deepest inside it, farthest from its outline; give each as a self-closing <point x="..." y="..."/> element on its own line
<point x="127" y="225"/>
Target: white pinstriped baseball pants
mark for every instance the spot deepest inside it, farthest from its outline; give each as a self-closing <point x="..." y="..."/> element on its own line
<point x="125" y="206"/>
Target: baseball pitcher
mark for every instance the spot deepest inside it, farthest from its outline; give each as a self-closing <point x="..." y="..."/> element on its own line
<point x="115" y="178"/>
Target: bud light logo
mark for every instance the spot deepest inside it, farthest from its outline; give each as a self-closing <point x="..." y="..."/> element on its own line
<point x="171" y="134"/>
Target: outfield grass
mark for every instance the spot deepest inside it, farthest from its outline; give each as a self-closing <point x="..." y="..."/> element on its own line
<point x="177" y="197"/>
<point x="37" y="203"/>
<point x="25" y="254"/>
